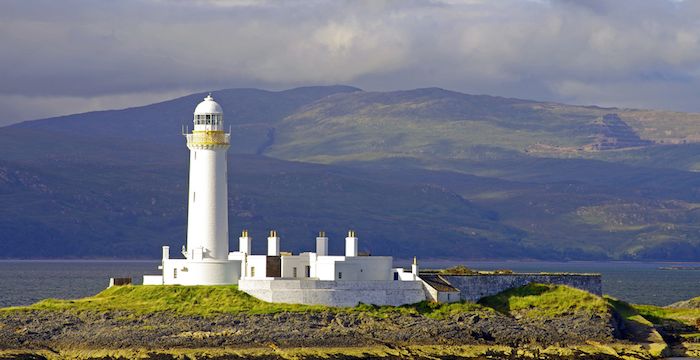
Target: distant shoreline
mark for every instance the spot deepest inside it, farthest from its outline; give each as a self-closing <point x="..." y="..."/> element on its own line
<point x="397" y="260"/>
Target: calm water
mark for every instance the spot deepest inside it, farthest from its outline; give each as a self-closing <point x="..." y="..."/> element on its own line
<point x="25" y="282"/>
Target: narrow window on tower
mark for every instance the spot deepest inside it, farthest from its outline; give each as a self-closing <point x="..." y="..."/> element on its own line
<point x="195" y="155"/>
<point x="294" y="272"/>
<point x="194" y="196"/>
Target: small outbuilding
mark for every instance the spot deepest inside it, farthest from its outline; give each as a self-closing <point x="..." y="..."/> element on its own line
<point x="438" y="289"/>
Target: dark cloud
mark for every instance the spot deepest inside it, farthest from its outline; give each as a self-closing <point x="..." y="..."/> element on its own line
<point x="71" y="56"/>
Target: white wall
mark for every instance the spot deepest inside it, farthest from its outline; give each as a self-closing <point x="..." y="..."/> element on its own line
<point x="354" y="268"/>
<point x="153" y="280"/>
<point x="186" y="272"/>
<point x="300" y="262"/>
<point x="405" y="275"/>
<point x="325" y="267"/>
<point x="334" y="293"/>
<point x="259" y="262"/>
<point x="207" y="217"/>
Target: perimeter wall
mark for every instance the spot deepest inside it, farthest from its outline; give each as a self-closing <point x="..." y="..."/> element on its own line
<point x="474" y="287"/>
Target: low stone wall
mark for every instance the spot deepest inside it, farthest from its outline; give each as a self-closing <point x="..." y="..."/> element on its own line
<point x="475" y="286"/>
<point x="334" y="293"/>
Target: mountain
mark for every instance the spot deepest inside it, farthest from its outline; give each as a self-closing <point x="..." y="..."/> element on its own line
<point x="426" y="172"/>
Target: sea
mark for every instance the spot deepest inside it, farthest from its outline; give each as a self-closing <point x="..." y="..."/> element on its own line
<point x="23" y="282"/>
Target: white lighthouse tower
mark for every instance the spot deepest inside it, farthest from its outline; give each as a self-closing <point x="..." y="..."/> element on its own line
<point x="207" y="216"/>
<point x="206" y="254"/>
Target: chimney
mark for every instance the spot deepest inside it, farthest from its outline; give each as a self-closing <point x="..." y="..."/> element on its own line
<point x="351" y="244"/>
<point x="273" y="244"/>
<point x="244" y="242"/>
<point x="414" y="268"/>
<point x="166" y="252"/>
<point x="322" y="244"/>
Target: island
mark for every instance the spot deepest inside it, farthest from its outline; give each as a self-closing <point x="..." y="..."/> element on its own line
<point x="535" y="321"/>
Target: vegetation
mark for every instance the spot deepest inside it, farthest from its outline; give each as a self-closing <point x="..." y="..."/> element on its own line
<point x="458" y="270"/>
<point x="210" y="300"/>
<point x="534" y="301"/>
<point x="415" y="172"/>
<point x="663" y="315"/>
<point x="545" y="301"/>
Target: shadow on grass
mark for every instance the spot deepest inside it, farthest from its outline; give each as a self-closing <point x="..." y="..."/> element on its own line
<point x="641" y="324"/>
<point x="502" y="302"/>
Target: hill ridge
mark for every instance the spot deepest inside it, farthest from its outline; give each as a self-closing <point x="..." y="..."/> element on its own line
<point x="428" y="171"/>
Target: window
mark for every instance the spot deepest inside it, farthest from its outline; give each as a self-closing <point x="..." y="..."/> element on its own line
<point x="340" y="275"/>
<point x="396" y="276"/>
<point x="308" y="271"/>
<point x="195" y="155"/>
<point x="174" y="273"/>
<point x="252" y="271"/>
<point x="194" y="196"/>
<point x="294" y="272"/>
<point x="208" y="117"/>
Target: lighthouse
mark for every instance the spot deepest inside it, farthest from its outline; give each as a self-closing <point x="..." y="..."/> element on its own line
<point x="207" y="214"/>
<point x="277" y="276"/>
<point x="206" y="255"/>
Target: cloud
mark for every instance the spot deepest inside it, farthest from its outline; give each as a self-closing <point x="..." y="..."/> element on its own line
<point x="78" y="55"/>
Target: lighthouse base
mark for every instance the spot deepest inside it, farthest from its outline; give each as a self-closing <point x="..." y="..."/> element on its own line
<point x="202" y="272"/>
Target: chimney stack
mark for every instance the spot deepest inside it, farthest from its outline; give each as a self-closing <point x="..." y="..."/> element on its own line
<point x="244" y="242"/>
<point x="166" y="252"/>
<point x="351" y="244"/>
<point x="273" y="244"/>
<point x="322" y="244"/>
<point x="414" y="267"/>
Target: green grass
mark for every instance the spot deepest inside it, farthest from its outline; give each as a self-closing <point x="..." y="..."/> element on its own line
<point x="627" y="311"/>
<point x="546" y="301"/>
<point x="660" y="315"/>
<point x="212" y="300"/>
<point x="184" y="300"/>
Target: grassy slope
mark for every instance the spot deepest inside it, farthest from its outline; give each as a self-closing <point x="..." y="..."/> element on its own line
<point x="618" y="203"/>
<point x="536" y="301"/>
<point x="545" y="301"/>
<point x="533" y="300"/>
<point x="211" y="300"/>
<point x="659" y="315"/>
<point x="96" y="184"/>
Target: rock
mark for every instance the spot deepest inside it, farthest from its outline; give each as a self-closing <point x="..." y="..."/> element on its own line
<point x="324" y="329"/>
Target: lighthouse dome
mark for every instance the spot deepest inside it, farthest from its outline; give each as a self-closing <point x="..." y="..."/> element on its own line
<point x="208" y="106"/>
<point x="208" y="115"/>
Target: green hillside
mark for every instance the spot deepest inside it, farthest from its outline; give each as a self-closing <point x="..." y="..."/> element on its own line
<point x="427" y="171"/>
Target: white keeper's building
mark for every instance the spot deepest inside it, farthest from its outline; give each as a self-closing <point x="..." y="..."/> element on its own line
<point x="307" y="278"/>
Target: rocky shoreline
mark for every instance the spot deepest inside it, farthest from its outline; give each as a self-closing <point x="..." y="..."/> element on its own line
<point x="532" y="322"/>
<point x="38" y="329"/>
<point x="57" y="331"/>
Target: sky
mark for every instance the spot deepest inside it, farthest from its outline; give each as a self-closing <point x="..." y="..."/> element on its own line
<point x="72" y="56"/>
